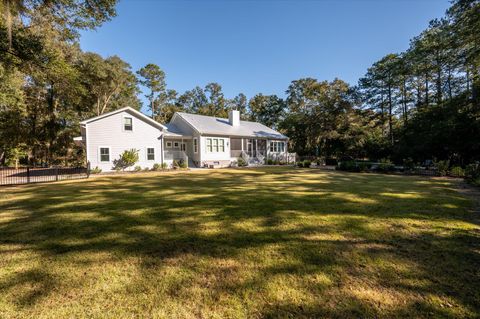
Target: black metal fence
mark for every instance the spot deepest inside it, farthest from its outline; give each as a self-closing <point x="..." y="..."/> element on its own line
<point x="26" y="175"/>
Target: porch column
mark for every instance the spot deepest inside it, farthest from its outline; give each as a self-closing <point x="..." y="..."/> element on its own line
<point x="162" y="149"/>
<point x="267" y="148"/>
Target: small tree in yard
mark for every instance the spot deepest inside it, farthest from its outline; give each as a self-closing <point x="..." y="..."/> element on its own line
<point x="127" y="159"/>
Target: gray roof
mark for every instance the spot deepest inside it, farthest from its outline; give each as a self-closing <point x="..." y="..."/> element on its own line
<point x="221" y="126"/>
<point x="173" y="130"/>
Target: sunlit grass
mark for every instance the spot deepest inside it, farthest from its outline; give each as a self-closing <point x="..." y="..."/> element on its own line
<point x="251" y="243"/>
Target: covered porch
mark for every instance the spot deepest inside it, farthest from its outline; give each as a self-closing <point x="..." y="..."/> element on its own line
<point x="178" y="148"/>
<point x="259" y="150"/>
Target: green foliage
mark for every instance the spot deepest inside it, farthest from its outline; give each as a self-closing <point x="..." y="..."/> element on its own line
<point x="164" y="165"/>
<point x="95" y="170"/>
<point x="307" y="163"/>
<point x="472" y="174"/>
<point x="408" y="164"/>
<point x="457" y="171"/>
<point x="137" y="168"/>
<point x="385" y="165"/>
<point x="127" y="159"/>
<point x="156" y="167"/>
<point x="153" y="78"/>
<point x="241" y="162"/>
<point x="269" y="161"/>
<point x="183" y="164"/>
<point x="348" y="166"/>
<point x="442" y="167"/>
<point x="266" y="109"/>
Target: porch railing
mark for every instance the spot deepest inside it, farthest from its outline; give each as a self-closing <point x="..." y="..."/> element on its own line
<point x="289" y="158"/>
<point x="175" y="155"/>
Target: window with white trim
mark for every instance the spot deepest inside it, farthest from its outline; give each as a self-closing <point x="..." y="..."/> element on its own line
<point x="169" y="144"/>
<point x="104" y="154"/>
<point x="150" y="154"/>
<point x="215" y="145"/>
<point x="195" y="145"/>
<point x="127" y="124"/>
<point x="221" y="145"/>
<point x="175" y="144"/>
<point x="209" y="145"/>
<point x="277" y="147"/>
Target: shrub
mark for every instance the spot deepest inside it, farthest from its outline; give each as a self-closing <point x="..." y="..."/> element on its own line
<point x="331" y="161"/>
<point x="408" y="164"/>
<point x="175" y="164"/>
<point x="363" y="166"/>
<point x="137" y="168"/>
<point x="442" y="167"/>
<point x="457" y="171"/>
<point x="307" y="163"/>
<point x="385" y="165"/>
<point x="156" y="167"/>
<point x="164" y="165"/>
<point x="96" y="170"/>
<point x="300" y="164"/>
<point x="182" y="164"/>
<point x="472" y="174"/>
<point x="127" y="158"/>
<point x="241" y="162"/>
<point x="349" y="166"/>
<point x="269" y="161"/>
<point x="146" y="169"/>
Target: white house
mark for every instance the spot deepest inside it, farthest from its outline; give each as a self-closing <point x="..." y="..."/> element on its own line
<point x="201" y="141"/>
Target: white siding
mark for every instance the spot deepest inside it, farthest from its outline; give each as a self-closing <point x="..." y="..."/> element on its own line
<point x="214" y="156"/>
<point x="188" y="130"/>
<point x="109" y="132"/>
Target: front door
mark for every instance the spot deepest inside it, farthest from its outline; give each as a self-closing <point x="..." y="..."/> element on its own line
<point x="183" y="146"/>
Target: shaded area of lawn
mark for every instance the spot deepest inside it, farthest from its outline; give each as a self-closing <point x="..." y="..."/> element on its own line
<point x="272" y="242"/>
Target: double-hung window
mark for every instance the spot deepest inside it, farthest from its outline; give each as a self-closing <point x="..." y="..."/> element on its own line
<point x="104" y="154"/>
<point x="127" y="124"/>
<point x="215" y="145"/>
<point x="209" y="145"/>
<point x="277" y="147"/>
<point x="195" y="145"/>
<point x="150" y="154"/>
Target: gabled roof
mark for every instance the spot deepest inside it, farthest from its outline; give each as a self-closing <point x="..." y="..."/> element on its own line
<point x="221" y="126"/>
<point x="129" y="110"/>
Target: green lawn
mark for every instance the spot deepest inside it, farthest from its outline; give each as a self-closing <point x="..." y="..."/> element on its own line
<point x="272" y="242"/>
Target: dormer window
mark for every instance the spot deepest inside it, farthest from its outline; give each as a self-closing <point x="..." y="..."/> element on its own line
<point x="127" y="124"/>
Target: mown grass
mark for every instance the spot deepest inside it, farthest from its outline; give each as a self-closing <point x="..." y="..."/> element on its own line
<point x="272" y="242"/>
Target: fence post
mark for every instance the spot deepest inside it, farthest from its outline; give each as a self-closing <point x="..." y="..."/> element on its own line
<point x="88" y="169"/>
<point x="56" y="173"/>
<point x="28" y="174"/>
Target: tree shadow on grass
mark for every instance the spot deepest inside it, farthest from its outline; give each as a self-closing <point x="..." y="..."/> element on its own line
<point x="346" y="229"/>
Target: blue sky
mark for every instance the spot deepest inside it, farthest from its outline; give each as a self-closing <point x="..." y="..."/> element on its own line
<point x="260" y="46"/>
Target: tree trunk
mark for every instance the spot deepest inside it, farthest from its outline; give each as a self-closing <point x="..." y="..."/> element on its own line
<point x="449" y="83"/>
<point x="390" y="108"/>
<point x="439" y="85"/>
<point x="405" y="106"/>
<point x="426" y="90"/>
